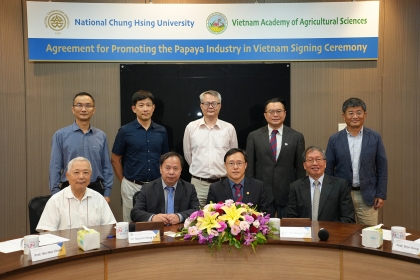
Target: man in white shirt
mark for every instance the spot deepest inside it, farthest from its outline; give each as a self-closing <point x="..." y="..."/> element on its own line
<point x="76" y="206"/>
<point x="206" y="142"/>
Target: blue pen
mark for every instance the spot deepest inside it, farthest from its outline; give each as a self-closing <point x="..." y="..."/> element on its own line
<point x="110" y="236"/>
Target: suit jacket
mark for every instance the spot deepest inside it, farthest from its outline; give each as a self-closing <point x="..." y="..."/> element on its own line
<point x="278" y="175"/>
<point x="373" y="172"/>
<point x="253" y="191"/>
<point x="151" y="200"/>
<point x="335" y="203"/>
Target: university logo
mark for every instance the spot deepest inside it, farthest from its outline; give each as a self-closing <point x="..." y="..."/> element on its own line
<point x="56" y="20"/>
<point x="217" y="23"/>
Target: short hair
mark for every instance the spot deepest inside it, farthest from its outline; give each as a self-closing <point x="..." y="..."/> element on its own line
<point x="353" y="102"/>
<point x="168" y="155"/>
<point x="274" y="100"/>
<point x="211" y="92"/>
<point x="83" y="94"/>
<point x="70" y="164"/>
<point x="234" y="151"/>
<point x="313" y="149"/>
<point x="141" y="95"/>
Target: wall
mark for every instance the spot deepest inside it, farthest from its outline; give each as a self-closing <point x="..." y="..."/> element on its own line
<point x="36" y="101"/>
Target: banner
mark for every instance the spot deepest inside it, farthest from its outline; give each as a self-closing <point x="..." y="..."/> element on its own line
<point x="202" y="32"/>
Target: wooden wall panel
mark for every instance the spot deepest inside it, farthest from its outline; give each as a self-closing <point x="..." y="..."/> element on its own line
<point x="44" y="91"/>
<point x="401" y="111"/>
<point x="12" y="121"/>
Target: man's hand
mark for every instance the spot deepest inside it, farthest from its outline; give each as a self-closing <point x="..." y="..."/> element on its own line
<point x="107" y="199"/>
<point x="379" y="203"/>
<point x="173" y="219"/>
<point x="160" y="218"/>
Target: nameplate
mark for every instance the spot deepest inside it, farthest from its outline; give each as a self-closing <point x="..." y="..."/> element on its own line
<point x="296" y="232"/>
<point x="143" y="236"/>
<point x="406" y="246"/>
<point x="48" y="251"/>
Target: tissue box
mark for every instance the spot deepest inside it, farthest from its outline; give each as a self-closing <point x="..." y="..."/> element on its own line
<point x="372" y="237"/>
<point x="88" y="239"/>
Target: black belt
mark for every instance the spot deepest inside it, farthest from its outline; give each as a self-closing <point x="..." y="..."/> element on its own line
<point x="355" y="188"/>
<point x="209" y="180"/>
<point x="138" y="182"/>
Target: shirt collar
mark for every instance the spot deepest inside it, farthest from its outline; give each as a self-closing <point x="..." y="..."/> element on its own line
<point x="360" y="132"/>
<point x="231" y="183"/>
<point x="69" y="194"/>
<point x="271" y="130"/>
<point x="320" y="180"/>
<point x="75" y="127"/>
<point x="138" y="125"/>
<point x="217" y="124"/>
<point x="164" y="185"/>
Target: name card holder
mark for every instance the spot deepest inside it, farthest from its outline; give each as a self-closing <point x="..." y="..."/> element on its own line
<point x="48" y="251"/>
<point x="406" y="246"/>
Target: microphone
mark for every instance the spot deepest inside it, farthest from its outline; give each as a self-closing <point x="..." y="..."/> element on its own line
<point x="323" y="234"/>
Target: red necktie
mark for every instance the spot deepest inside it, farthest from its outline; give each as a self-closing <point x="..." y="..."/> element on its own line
<point x="238" y="195"/>
<point x="273" y="143"/>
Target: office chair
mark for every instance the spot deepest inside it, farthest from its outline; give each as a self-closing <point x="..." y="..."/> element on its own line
<point x="36" y="206"/>
<point x="135" y="197"/>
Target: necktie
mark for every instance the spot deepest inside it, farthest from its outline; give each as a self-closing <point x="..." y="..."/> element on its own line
<point x="315" y="201"/>
<point x="170" y="201"/>
<point x="238" y="195"/>
<point x="273" y="143"/>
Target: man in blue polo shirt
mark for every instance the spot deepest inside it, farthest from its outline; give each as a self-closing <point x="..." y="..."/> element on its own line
<point x="81" y="140"/>
<point x="137" y="149"/>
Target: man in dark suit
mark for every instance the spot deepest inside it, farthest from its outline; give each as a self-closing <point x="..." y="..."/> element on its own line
<point x="357" y="155"/>
<point x="167" y="199"/>
<point x="275" y="156"/>
<point x="319" y="196"/>
<point x="236" y="186"/>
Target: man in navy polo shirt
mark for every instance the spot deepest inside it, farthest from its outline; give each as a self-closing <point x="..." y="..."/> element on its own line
<point x="137" y="149"/>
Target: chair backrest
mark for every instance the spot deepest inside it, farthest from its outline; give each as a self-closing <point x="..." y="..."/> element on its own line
<point x="36" y="206"/>
<point x="135" y="197"/>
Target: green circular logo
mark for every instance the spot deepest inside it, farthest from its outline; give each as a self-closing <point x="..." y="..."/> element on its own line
<point x="217" y="23"/>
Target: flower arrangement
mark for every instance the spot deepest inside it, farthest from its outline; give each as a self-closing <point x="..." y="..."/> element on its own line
<point x="237" y="223"/>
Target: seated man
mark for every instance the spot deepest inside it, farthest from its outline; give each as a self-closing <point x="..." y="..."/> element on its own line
<point x="76" y="205"/>
<point x="320" y="196"/>
<point x="236" y="186"/>
<point x="167" y="199"/>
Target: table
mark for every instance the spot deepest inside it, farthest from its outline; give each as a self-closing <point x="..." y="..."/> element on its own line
<point x="340" y="257"/>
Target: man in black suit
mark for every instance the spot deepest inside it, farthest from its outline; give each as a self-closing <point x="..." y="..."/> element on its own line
<point x="167" y="199"/>
<point x="320" y="196"/>
<point x="275" y="156"/>
<point x="236" y="186"/>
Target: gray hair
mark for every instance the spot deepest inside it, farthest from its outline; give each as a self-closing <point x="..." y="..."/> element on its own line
<point x="353" y="102"/>
<point x="211" y="92"/>
<point x="311" y="149"/>
<point x="70" y="164"/>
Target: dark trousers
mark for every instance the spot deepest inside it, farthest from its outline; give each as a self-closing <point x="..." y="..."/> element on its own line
<point x="96" y="186"/>
<point x="275" y="208"/>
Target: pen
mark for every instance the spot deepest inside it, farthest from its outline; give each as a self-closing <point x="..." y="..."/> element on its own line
<point x="110" y="236"/>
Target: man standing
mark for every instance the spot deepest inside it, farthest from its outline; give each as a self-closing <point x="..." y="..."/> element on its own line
<point x="319" y="196"/>
<point x="275" y="156"/>
<point x="357" y="155"/>
<point x="206" y="141"/>
<point x="238" y="187"/>
<point x="137" y="149"/>
<point x="76" y="206"/>
<point x="81" y="139"/>
<point x="168" y="199"/>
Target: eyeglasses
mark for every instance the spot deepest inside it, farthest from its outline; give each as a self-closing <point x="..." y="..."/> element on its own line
<point x="358" y="113"/>
<point x="272" y="112"/>
<point x="238" y="164"/>
<point x="213" y="104"/>
<point x="80" y="106"/>
<point x="318" y="160"/>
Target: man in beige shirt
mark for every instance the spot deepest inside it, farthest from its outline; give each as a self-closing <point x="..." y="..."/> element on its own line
<point x="206" y="141"/>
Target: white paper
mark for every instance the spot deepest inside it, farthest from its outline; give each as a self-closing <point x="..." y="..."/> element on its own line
<point x="15" y="245"/>
<point x="47" y="239"/>
<point x="170" y="233"/>
<point x="296" y="232"/>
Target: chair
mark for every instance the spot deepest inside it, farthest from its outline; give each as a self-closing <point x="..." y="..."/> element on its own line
<point x="135" y="197"/>
<point x="36" y="206"/>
